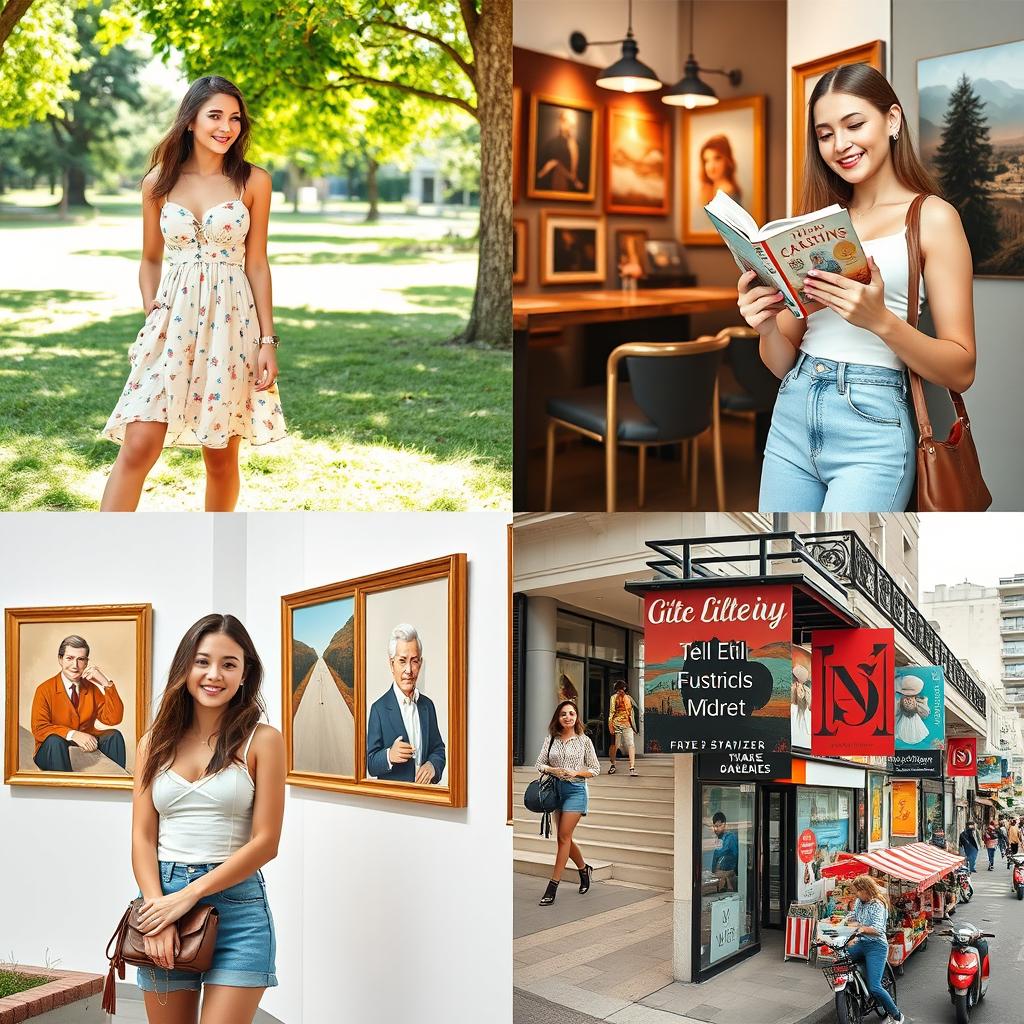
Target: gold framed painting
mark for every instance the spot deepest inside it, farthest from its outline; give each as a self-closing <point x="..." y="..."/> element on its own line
<point x="562" y="162"/>
<point x="572" y="248"/>
<point x="374" y="684"/>
<point x="637" y="162"/>
<point x="78" y="693"/>
<point x="722" y="149"/>
<point x="519" y="250"/>
<point x="804" y="78"/>
<point x="631" y="251"/>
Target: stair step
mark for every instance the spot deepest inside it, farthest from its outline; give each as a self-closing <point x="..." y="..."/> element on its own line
<point x="598" y="816"/>
<point x="662" y="767"/>
<point x="539" y="864"/>
<point x="641" y="874"/>
<point x="643" y="786"/>
<point x="615" y="852"/>
<point x="590" y="832"/>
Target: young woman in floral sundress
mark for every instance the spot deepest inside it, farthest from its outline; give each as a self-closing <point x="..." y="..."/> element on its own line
<point x="204" y="365"/>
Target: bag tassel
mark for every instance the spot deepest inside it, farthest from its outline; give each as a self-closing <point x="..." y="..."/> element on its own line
<point x="110" y="992"/>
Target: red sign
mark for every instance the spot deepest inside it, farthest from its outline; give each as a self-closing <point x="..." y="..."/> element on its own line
<point x="853" y="692"/>
<point x="806" y="846"/>
<point x="961" y="756"/>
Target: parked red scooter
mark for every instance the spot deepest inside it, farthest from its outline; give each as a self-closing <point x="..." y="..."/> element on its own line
<point x="1017" y="878"/>
<point x="968" y="970"/>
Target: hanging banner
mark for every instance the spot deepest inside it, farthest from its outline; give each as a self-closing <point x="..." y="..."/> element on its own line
<point x="853" y="692"/>
<point x="718" y="678"/>
<point x="876" y="833"/>
<point x="800" y="708"/>
<point x="904" y="809"/>
<point x="961" y="756"/>
<point x="989" y="772"/>
<point x="920" y="707"/>
<point x="921" y="764"/>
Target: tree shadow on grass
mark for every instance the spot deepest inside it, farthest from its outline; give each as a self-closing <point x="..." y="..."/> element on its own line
<point x="22" y="301"/>
<point x="386" y="380"/>
<point x="444" y="296"/>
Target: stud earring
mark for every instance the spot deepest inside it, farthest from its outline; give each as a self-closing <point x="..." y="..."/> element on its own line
<point x="895" y="135"/>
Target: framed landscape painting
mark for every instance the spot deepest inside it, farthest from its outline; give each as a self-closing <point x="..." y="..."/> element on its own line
<point x="637" y="162"/>
<point x="971" y="138"/>
<point x="78" y="694"/>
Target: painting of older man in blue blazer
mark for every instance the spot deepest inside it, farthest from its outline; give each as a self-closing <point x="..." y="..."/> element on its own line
<point x="403" y="742"/>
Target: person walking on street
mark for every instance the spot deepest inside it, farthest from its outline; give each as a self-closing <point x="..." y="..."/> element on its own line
<point x="991" y="841"/>
<point x="1013" y="839"/>
<point x="622" y="726"/>
<point x="568" y="755"/>
<point x="969" y="845"/>
<point x="1001" y="835"/>
<point x="869" y="944"/>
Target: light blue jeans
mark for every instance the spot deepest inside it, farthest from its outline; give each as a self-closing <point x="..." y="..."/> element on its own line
<point x="842" y="439"/>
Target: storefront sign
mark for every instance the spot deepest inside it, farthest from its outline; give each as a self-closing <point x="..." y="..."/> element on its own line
<point x="904" y="809"/>
<point x="800" y="709"/>
<point x="718" y="678"/>
<point x="922" y="764"/>
<point x="961" y="756"/>
<point x="876" y="831"/>
<point x="806" y="845"/>
<point x="726" y="915"/>
<point x="934" y="829"/>
<point x="989" y="772"/>
<point x="853" y="692"/>
<point x="920" y="707"/>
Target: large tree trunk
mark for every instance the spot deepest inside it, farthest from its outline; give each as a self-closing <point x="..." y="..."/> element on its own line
<point x="11" y="13"/>
<point x="372" y="191"/>
<point x="491" y="318"/>
<point x="74" y="186"/>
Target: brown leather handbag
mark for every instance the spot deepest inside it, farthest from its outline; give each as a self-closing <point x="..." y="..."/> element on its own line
<point x="197" y="933"/>
<point x="948" y="472"/>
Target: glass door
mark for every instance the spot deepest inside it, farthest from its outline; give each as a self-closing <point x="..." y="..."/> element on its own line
<point x="774" y="843"/>
<point x="601" y="680"/>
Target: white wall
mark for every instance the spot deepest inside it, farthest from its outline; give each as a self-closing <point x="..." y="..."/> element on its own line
<point x="816" y="30"/>
<point x="382" y="909"/>
<point x="545" y="27"/>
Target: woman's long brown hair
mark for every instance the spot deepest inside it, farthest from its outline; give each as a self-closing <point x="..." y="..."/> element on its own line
<point x="866" y="883"/>
<point x="176" y="146"/>
<point x="174" y="718"/>
<point x="555" y="727"/>
<point x="822" y="186"/>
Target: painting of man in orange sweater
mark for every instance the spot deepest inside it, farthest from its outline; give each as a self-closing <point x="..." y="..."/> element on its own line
<point x="67" y="707"/>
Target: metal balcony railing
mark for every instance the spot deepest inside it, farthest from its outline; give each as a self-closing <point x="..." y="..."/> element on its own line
<point x="838" y="557"/>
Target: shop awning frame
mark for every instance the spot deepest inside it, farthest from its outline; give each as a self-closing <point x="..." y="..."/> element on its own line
<point x="921" y="864"/>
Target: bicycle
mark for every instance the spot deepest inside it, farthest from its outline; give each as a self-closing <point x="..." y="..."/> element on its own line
<point x="845" y="976"/>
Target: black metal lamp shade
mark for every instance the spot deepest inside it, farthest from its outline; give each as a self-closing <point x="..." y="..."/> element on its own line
<point x="690" y="91"/>
<point x="629" y="74"/>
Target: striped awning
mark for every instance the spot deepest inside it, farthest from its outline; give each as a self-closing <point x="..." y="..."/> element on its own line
<point x="919" y="863"/>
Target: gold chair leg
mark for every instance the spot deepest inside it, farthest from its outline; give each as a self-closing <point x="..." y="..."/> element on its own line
<point x="549" y="466"/>
<point x="641" y="474"/>
<point x="694" y="471"/>
<point x="611" y="453"/>
<point x="716" y="443"/>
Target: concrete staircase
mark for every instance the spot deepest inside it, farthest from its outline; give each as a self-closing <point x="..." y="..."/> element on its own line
<point x="627" y="834"/>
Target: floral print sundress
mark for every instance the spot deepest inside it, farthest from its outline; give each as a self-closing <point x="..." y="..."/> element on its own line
<point x="194" y="363"/>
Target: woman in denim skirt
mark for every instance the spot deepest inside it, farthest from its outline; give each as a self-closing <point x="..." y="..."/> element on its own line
<point x="569" y="756"/>
<point x="843" y="436"/>
<point x="207" y="811"/>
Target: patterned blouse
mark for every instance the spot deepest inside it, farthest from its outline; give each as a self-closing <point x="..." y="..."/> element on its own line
<point x="874" y="915"/>
<point x="576" y="754"/>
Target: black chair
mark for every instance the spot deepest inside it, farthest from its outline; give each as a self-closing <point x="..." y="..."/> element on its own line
<point x="760" y="386"/>
<point x="671" y="397"/>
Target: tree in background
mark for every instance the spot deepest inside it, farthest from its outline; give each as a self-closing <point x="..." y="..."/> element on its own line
<point x="38" y="55"/>
<point x="964" y="163"/>
<point x="322" y="52"/>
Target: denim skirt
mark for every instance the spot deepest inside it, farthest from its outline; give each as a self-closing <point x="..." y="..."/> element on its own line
<point x="842" y="439"/>
<point x="246" y="945"/>
<point x="573" y="795"/>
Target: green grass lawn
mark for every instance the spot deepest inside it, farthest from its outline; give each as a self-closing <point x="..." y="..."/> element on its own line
<point x="382" y="411"/>
<point x="13" y="982"/>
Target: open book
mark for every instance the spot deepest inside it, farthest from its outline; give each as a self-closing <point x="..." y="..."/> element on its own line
<point x="783" y="251"/>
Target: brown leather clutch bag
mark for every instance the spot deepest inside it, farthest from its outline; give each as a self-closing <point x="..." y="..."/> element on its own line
<point x="197" y="934"/>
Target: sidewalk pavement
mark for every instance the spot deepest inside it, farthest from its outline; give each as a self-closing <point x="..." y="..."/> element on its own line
<point x="609" y="955"/>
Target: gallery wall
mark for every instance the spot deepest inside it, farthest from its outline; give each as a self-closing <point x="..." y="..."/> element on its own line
<point x="921" y="29"/>
<point x="361" y="886"/>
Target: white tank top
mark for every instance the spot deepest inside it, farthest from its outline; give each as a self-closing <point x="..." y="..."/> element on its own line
<point x="828" y="335"/>
<point x="205" y="821"/>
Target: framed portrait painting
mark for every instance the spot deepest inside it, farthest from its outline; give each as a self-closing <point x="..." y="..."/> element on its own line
<point x="562" y="162"/>
<point x="572" y="248"/>
<point x="631" y="252"/>
<point x="637" y="148"/>
<point x="374" y="684"/>
<point x="723" y="149"/>
<point x="519" y="251"/>
<point x="978" y="159"/>
<point x="78" y="693"/>
<point x="805" y="78"/>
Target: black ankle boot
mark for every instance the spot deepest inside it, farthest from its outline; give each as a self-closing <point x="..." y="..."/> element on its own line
<point x="586" y="873"/>
<point x="549" y="894"/>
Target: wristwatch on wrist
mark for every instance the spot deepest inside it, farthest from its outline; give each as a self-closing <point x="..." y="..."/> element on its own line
<point x="270" y="339"/>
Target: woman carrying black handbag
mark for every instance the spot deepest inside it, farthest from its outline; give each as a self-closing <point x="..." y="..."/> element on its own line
<point x="568" y="754"/>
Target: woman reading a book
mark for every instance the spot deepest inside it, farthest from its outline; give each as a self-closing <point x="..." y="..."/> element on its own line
<point x="843" y="435"/>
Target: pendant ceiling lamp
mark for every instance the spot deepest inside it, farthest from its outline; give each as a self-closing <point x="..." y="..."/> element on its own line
<point x="627" y="74"/>
<point x="690" y="91"/>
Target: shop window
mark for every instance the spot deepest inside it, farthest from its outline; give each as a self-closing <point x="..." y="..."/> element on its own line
<point x="609" y="643"/>
<point x="728" y="879"/>
<point x="825" y="812"/>
<point x="572" y="635"/>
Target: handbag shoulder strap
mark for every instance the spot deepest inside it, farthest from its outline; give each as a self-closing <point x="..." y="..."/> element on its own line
<point x="915" y="264"/>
